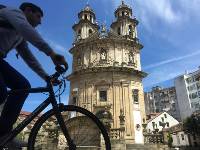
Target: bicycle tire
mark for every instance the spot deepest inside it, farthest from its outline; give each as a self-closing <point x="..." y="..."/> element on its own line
<point x="81" y="113"/>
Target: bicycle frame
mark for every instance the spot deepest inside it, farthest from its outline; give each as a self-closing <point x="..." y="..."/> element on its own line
<point x="50" y="100"/>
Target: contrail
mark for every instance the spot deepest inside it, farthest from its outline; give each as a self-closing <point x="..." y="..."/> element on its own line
<point x="171" y="60"/>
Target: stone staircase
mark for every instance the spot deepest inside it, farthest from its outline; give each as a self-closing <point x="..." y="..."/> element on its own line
<point x="146" y="147"/>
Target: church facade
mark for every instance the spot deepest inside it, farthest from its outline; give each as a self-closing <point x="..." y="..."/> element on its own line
<point x="106" y="74"/>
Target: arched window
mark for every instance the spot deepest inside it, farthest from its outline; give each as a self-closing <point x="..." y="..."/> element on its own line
<point x="103" y="55"/>
<point x="79" y="32"/>
<point x="85" y="16"/>
<point x="119" y="31"/>
<point x="90" y="17"/>
<point x="131" y="58"/>
<point x="130" y="30"/>
<point x="90" y="31"/>
<point x="78" y="60"/>
<point x="122" y="13"/>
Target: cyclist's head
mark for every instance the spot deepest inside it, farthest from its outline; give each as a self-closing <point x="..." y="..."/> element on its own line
<point x="32" y="12"/>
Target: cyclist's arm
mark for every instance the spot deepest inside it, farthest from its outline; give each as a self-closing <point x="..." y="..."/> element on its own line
<point x="30" y="59"/>
<point x="18" y="20"/>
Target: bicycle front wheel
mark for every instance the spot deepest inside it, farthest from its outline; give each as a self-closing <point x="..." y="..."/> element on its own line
<point x="85" y="129"/>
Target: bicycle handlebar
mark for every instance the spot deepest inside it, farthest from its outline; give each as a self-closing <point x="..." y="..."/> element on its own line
<point x="59" y="70"/>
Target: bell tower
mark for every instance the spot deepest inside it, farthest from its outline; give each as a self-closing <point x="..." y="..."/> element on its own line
<point x="125" y="25"/>
<point x="87" y="24"/>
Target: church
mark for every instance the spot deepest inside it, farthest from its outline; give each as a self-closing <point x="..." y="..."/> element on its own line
<point x="106" y="73"/>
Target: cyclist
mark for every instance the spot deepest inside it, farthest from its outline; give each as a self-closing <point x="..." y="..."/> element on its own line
<point x="17" y="27"/>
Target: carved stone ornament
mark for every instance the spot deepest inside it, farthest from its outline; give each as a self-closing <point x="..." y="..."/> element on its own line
<point x="138" y="127"/>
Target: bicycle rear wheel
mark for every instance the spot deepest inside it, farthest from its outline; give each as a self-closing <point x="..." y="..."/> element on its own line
<point x="85" y="129"/>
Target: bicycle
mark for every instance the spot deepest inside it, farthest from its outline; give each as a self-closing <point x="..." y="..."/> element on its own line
<point x="70" y="129"/>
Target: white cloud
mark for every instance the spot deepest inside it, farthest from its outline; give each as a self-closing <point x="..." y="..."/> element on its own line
<point x="171" y="60"/>
<point x="170" y="69"/>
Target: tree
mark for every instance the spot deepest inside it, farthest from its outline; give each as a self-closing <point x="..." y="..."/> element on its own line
<point x="192" y="124"/>
<point x="169" y="140"/>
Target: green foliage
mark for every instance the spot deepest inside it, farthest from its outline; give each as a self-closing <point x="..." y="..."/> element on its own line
<point x="170" y="140"/>
<point x="192" y="124"/>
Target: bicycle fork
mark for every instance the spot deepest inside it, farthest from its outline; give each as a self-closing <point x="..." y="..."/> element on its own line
<point x="63" y="127"/>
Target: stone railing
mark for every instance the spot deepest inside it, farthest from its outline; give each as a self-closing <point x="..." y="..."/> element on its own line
<point x="116" y="133"/>
<point x="153" y="138"/>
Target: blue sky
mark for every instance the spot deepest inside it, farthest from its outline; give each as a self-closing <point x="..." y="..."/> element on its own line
<point x="169" y="31"/>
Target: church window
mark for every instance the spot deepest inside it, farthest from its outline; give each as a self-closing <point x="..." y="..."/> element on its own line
<point x="131" y="58"/>
<point x="79" y="60"/>
<point x="122" y="13"/>
<point x="135" y="95"/>
<point x="103" y="95"/>
<point x="103" y="55"/>
<point x="130" y="30"/>
<point x="153" y="124"/>
<point x="119" y="31"/>
<point x="182" y="136"/>
<point x="90" y="31"/>
<point x="90" y="17"/>
<point x="74" y="101"/>
<point x="85" y="16"/>
<point x="79" y="32"/>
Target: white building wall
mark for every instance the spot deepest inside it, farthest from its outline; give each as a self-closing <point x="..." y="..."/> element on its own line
<point x="180" y="139"/>
<point x="172" y="121"/>
<point x="182" y="97"/>
<point x="185" y="102"/>
<point x="138" y="132"/>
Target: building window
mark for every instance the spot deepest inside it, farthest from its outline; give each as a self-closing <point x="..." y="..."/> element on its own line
<point x="103" y="55"/>
<point x="85" y="16"/>
<point x="79" y="61"/>
<point x="74" y="100"/>
<point x="153" y="124"/>
<point x="198" y="85"/>
<point x="122" y="13"/>
<point x="90" y="31"/>
<point x="79" y="32"/>
<point x="119" y="31"/>
<point x="167" y="124"/>
<point x="182" y="136"/>
<point x="194" y="95"/>
<point x="103" y="95"/>
<point x="162" y="119"/>
<point x="165" y="115"/>
<point x="130" y="30"/>
<point x="135" y="95"/>
<point x="131" y="58"/>
<point x="90" y="17"/>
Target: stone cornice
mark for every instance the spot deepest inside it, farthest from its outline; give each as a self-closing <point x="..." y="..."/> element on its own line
<point x="121" y="19"/>
<point x="109" y="40"/>
<point x="107" y="69"/>
<point x="85" y="21"/>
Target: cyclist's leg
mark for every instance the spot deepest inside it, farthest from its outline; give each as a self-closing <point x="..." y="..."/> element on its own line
<point x="14" y="102"/>
<point x="3" y="90"/>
